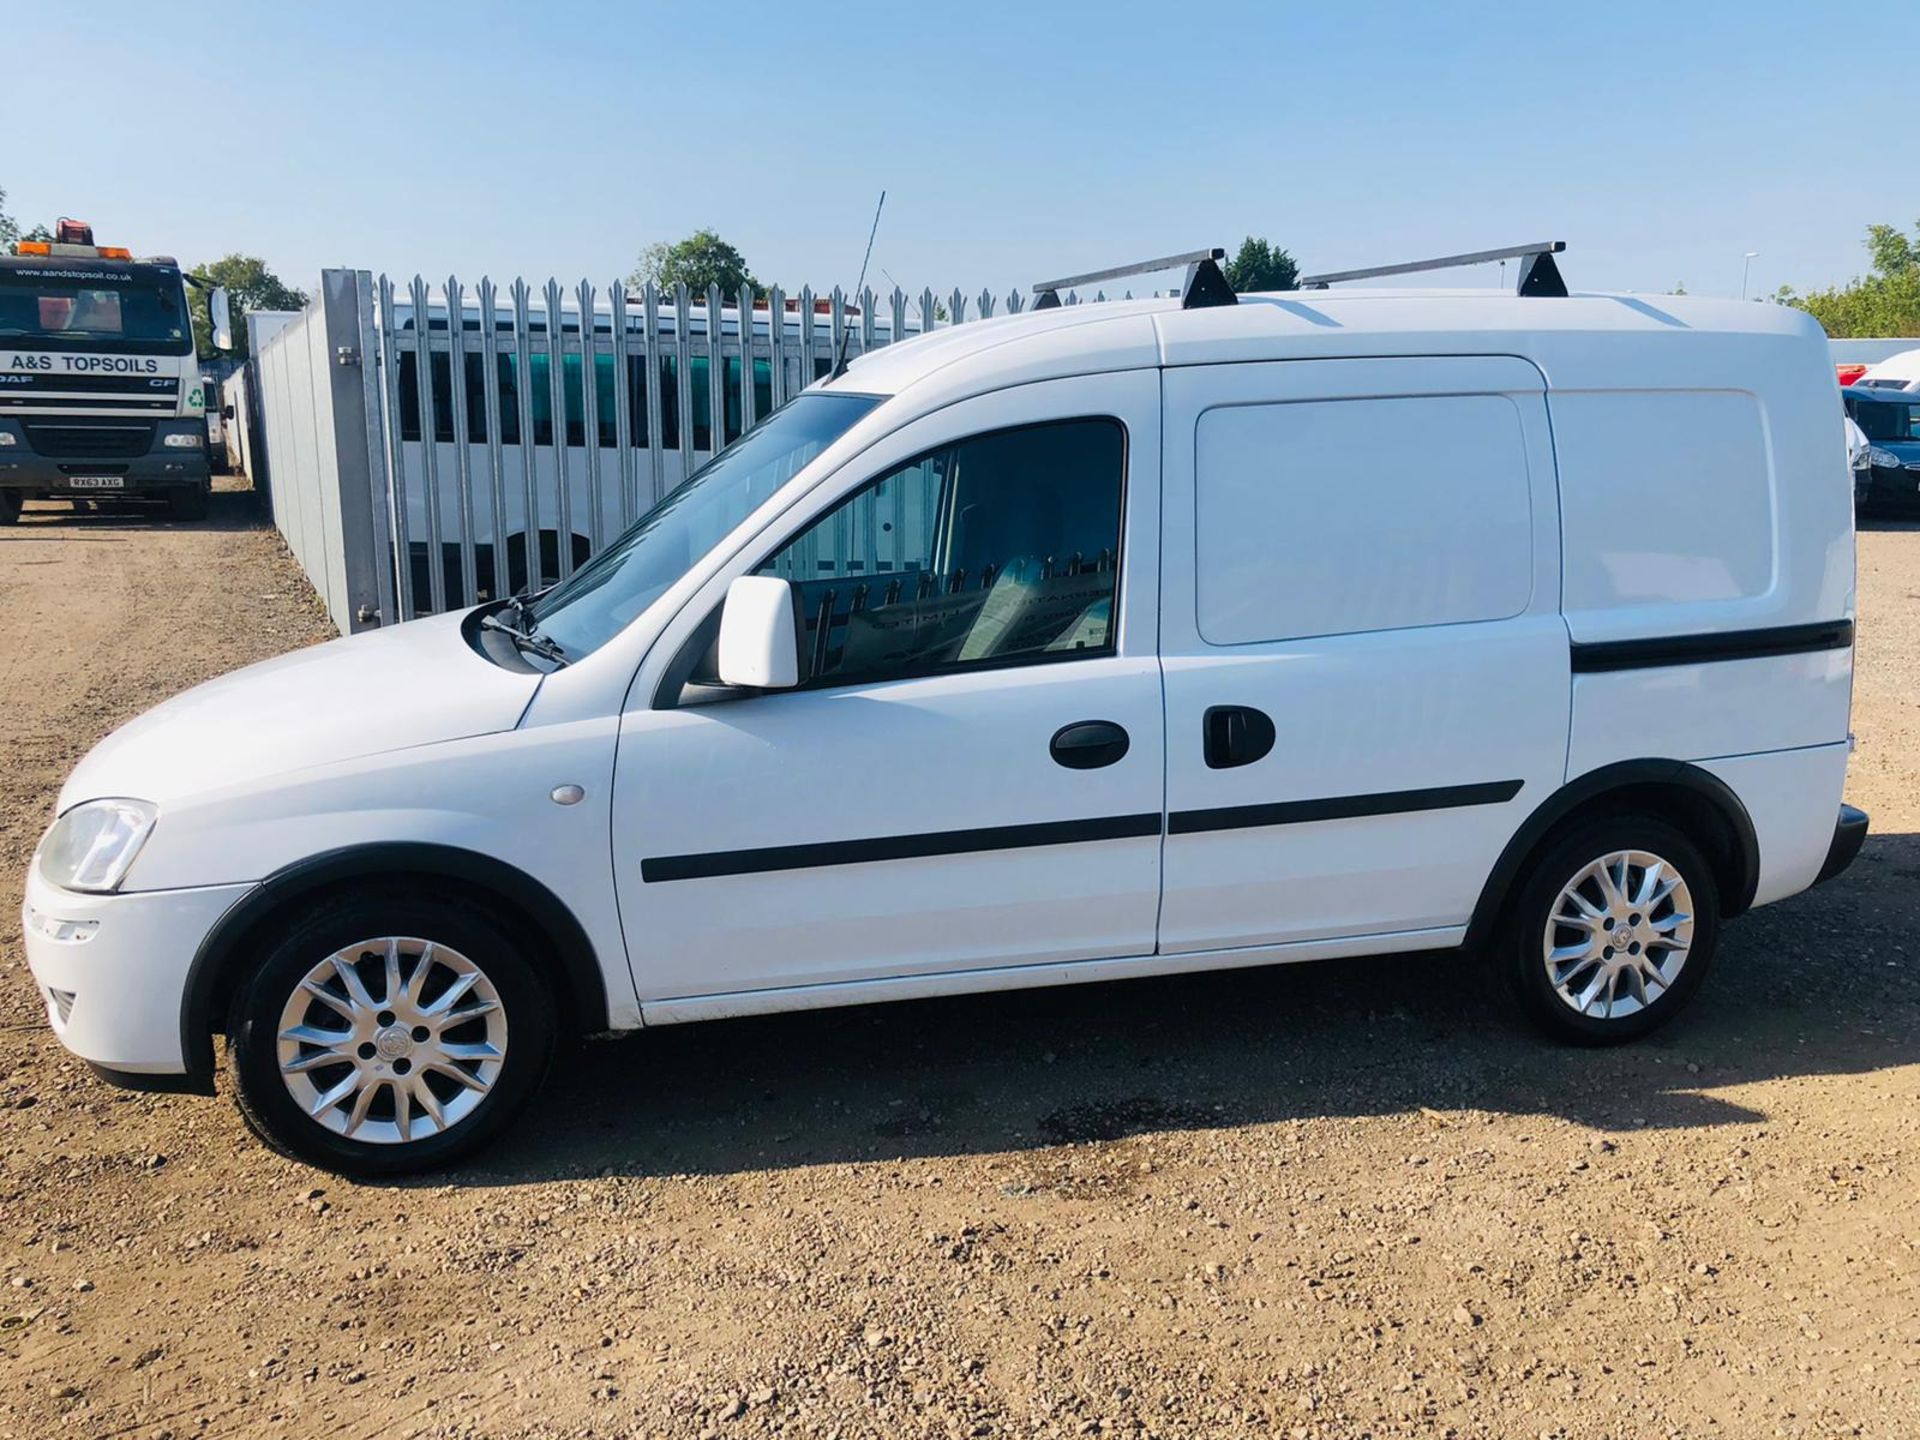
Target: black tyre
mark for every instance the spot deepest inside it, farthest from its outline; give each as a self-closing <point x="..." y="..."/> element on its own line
<point x="187" y="504"/>
<point x="387" y="1034"/>
<point x="1612" y="930"/>
<point x="10" y="503"/>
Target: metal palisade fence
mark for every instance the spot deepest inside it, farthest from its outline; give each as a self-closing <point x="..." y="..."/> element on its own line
<point x="487" y="440"/>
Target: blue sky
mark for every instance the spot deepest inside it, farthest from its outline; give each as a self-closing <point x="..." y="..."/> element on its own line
<point x="1661" y="141"/>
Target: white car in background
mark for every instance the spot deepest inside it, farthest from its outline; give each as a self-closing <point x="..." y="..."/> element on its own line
<point x="1896" y="372"/>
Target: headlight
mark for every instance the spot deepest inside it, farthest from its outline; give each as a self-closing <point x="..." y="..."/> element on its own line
<point x="7" y="437"/>
<point x="1886" y="459"/>
<point x="183" y="440"/>
<point x="92" y="845"/>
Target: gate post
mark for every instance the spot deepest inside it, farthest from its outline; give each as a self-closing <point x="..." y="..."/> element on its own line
<point x="359" y="447"/>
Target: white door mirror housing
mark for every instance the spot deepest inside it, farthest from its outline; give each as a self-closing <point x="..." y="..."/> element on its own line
<point x="220" y="317"/>
<point x="759" y="636"/>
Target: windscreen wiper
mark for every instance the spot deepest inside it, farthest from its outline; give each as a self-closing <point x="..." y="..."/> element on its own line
<point x="527" y="634"/>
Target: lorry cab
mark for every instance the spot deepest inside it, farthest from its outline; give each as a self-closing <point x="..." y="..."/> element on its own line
<point x="1093" y="642"/>
<point x="100" y="393"/>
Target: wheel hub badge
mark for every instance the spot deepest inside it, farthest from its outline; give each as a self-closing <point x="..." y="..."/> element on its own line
<point x="393" y="1043"/>
<point x="1622" y="934"/>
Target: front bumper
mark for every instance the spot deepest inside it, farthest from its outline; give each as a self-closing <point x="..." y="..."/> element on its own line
<point x="112" y="969"/>
<point x="1887" y="485"/>
<point x="142" y="477"/>
<point x="160" y="469"/>
<point x="1849" y="834"/>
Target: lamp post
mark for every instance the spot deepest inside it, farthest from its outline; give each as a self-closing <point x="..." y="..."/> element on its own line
<point x="1745" y="268"/>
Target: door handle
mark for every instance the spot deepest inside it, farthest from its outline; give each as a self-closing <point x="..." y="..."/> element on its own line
<point x="1088" y="744"/>
<point x="1235" y="735"/>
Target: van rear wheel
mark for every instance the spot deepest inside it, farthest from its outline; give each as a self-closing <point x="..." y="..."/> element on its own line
<point x="1613" y="930"/>
<point x="387" y="1035"/>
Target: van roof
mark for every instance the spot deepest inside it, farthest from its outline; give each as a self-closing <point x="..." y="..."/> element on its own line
<point x="1316" y="324"/>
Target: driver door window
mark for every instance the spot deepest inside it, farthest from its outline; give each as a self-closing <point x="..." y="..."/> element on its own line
<point x="1000" y="548"/>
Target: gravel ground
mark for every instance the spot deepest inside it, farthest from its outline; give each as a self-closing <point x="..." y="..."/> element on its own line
<point x="1321" y="1201"/>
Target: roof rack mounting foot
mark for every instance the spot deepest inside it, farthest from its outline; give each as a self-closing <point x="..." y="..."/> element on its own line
<point x="1540" y="275"/>
<point x="1205" y="284"/>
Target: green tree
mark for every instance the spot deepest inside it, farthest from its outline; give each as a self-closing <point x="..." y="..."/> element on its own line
<point x="1891" y="250"/>
<point x="12" y="235"/>
<point x="1260" y="266"/>
<point x="700" y="260"/>
<point x="250" y="286"/>
<point x="10" y="232"/>
<point x="1884" y="302"/>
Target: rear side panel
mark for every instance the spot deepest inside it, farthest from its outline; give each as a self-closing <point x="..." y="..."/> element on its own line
<point x="1715" y="511"/>
<point x="1695" y="712"/>
<point x="1792" y="797"/>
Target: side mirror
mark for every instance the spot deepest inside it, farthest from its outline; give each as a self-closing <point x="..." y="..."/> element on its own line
<point x="220" y="317"/>
<point x="759" y="636"/>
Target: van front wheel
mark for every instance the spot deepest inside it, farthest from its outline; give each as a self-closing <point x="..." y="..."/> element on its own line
<point x="384" y="1035"/>
<point x="1613" y="930"/>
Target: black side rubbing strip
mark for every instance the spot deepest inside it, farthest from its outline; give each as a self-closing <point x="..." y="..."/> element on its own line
<point x="1341" y="807"/>
<point x="658" y="868"/>
<point x="1595" y="657"/>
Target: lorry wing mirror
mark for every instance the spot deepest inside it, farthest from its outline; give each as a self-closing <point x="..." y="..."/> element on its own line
<point x="759" y="635"/>
<point x="220" y="317"/>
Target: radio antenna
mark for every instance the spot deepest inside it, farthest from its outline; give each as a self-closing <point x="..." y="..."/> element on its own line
<point x="846" y="330"/>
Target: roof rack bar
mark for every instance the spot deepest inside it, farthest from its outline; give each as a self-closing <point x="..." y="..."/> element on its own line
<point x="1448" y="262"/>
<point x="1119" y="272"/>
<point x="1205" y="284"/>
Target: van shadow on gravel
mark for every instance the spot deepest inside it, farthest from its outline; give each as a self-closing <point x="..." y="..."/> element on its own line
<point x="1819" y="984"/>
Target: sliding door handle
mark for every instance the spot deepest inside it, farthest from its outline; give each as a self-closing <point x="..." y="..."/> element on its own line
<point x="1235" y="735"/>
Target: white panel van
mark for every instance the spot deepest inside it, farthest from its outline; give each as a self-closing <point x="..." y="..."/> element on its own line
<point x="1093" y="642"/>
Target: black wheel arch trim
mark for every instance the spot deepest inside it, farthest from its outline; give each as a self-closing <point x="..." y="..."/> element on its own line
<point x="1595" y="785"/>
<point x="153" y="1084"/>
<point x="546" y="912"/>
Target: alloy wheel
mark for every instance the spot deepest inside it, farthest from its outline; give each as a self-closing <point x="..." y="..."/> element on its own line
<point x="392" y="1040"/>
<point x="1617" y="937"/>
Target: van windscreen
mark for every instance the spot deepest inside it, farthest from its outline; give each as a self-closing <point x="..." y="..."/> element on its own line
<point x="582" y="613"/>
